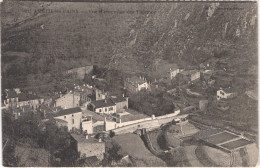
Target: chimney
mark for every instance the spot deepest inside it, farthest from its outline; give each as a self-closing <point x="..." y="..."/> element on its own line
<point x="123" y="95"/>
<point x="99" y="140"/>
<point x="153" y="116"/>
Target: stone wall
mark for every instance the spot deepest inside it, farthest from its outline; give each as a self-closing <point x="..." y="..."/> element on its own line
<point x="148" y="123"/>
<point x="92" y="149"/>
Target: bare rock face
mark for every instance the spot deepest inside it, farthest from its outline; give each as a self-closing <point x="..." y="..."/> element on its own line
<point x="171" y="31"/>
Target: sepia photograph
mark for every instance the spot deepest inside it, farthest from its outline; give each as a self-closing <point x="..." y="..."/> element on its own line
<point x="129" y="84"/>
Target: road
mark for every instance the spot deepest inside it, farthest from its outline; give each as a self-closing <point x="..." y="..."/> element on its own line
<point x="190" y="153"/>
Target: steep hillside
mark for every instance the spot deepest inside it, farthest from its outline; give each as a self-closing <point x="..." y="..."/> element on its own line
<point x="73" y="34"/>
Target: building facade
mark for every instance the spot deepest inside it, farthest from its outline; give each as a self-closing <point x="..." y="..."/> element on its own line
<point x="190" y="75"/>
<point x="11" y="98"/>
<point x="225" y="93"/>
<point x="88" y="146"/>
<point x="195" y="75"/>
<point x="86" y="95"/>
<point x="100" y="95"/>
<point x="174" y="72"/>
<point x="87" y="124"/>
<point x="136" y="84"/>
<point x="106" y="106"/>
<point x="72" y="116"/>
<point x="28" y="99"/>
<point x="121" y="102"/>
<point x="69" y="100"/>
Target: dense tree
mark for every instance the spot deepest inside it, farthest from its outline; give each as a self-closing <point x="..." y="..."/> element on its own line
<point x="28" y="130"/>
<point x="157" y="103"/>
<point x="112" y="155"/>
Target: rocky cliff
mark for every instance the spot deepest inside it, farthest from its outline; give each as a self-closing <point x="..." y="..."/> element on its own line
<point x="129" y="36"/>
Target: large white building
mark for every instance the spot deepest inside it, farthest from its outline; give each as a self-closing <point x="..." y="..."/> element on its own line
<point x="72" y="116"/>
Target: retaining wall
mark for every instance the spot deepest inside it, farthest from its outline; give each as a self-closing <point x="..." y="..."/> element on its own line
<point x="149" y="125"/>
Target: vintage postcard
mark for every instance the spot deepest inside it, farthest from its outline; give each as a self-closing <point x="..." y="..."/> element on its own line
<point x="138" y="84"/>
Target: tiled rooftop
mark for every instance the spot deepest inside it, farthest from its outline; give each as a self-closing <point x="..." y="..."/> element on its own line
<point x="82" y="139"/>
<point x="95" y="116"/>
<point x="103" y="103"/>
<point x="67" y="111"/>
<point x="26" y="97"/>
<point x="118" y="99"/>
<point x="132" y="115"/>
<point x="136" y="80"/>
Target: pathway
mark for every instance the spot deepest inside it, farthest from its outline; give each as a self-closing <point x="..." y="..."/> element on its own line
<point x="190" y="153"/>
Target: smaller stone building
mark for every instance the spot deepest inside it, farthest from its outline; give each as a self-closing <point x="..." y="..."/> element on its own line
<point x="106" y="106"/>
<point x="225" y="93"/>
<point x="121" y="102"/>
<point x="88" y="145"/>
<point x="135" y="84"/>
<point x="86" y="93"/>
<point x="190" y="75"/>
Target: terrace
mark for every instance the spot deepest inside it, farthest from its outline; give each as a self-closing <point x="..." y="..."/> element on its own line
<point x="222" y="139"/>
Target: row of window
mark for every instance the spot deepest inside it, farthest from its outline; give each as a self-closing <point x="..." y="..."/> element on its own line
<point x="107" y="109"/>
<point x="85" y="98"/>
<point x="71" y="115"/>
